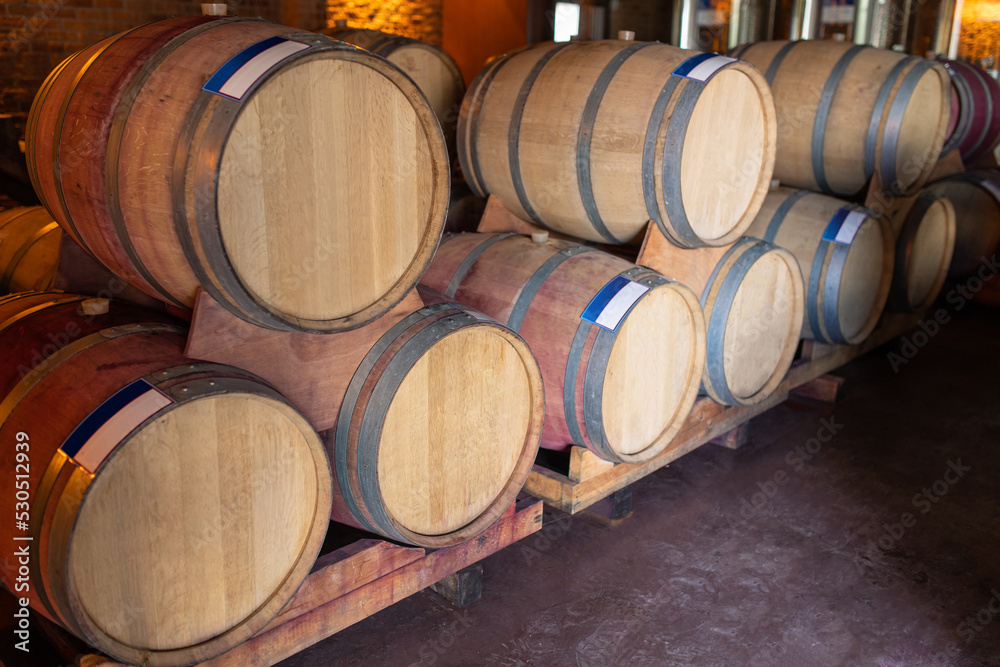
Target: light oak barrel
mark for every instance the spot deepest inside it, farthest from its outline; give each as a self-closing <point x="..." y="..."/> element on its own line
<point x="175" y="506"/>
<point x="29" y="249"/>
<point x="847" y="111"/>
<point x="753" y="300"/>
<point x="430" y="67"/>
<point x="847" y="284"/>
<point x="438" y="429"/>
<point x="310" y="201"/>
<point x="595" y="139"/>
<point x="975" y="196"/>
<point x="925" y="242"/>
<point x="622" y="393"/>
<point x="977" y="103"/>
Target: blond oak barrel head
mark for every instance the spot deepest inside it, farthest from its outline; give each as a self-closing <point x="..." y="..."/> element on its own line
<point x="195" y="523"/>
<point x="728" y="155"/>
<point x="756" y="352"/>
<point x="176" y="506"/>
<point x="754" y="307"/>
<point x="752" y="296"/>
<point x="931" y="254"/>
<point x="975" y="197"/>
<point x="455" y="431"/>
<point x="438" y="428"/>
<point x="925" y="244"/>
<point x="846" y="256"/>
<point x="353" y="178"/>
<point x="862" y="293"/>
<point x="620" y="347"/>
<point x="650" y="382"/>
<point x="430" y="67"/>
<point x="301" y="181"/>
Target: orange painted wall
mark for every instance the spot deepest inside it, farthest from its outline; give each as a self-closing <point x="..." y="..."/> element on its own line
<point x="474" y="30"/>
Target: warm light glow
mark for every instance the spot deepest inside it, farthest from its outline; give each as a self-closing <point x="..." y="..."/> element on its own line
<point x="980" y="32"/>
<point x="409" y="18"/>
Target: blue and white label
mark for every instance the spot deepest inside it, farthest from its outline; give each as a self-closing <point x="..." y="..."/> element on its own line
<point x="610" y="306"/>
<point x="243" y="70"/>
<point x="702" y="66"/>
<point x="844" y="226"/>
<point x="104" y="428"/>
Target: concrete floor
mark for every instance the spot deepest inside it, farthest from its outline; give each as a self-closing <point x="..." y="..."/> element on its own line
<point x="881" y="547"/>
<point x="722" y="565"/>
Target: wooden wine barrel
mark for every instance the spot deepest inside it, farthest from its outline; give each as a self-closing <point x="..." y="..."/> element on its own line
<point x="977" y="123"/>
<point x="301" y="181"/>
<point x="438" y="429"/>
<point x="925" y="241"/>
<point x="846" y="257"/>
<point x="173" y="507"/>
<point x="976" y="199"/>
<point x="29" y="249"/>
<point x="595" y="139"/>
<point x="847" y="111"/>
<point x="430" y="67"/>
<point x="619" y="379"/>
<point x="753" y="299"/>
<point x="954" y="112"/>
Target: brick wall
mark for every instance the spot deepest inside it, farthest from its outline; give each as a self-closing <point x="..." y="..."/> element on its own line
<point x="36" y="36"/>
<point x="419" y="19"/>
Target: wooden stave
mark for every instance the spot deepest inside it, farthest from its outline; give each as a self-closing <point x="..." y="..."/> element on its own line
<point x="714" y="382"/>
<point x="42" y="134"/>
<point x="456" y="261"/>
<point x="79" y="180"/>
<point x="33" y="120"/>
<point x="900" y="299"/>
<point x="967" y="258"/>
<point x="18" y="247"/>
<point x="677" y="102"/>
<point x="977" y="130"/>
<point x="182" y="247"/>
<point x="355" y="500"/>
<point x="876" y="159"/>
<point x="194" y="238"/>
<point x="384" y="44"/>
<point x="150" y="350"/>
<point x="95" y="103"/>
<point x="110" y="243"/>
<point x="817" y="286"/>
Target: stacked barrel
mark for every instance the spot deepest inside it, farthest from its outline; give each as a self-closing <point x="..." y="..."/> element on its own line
<point x="301" y="183"/>
<point x="856" y="125"/>
<point x="974" y="195"/>
<point x="597" y="143"/>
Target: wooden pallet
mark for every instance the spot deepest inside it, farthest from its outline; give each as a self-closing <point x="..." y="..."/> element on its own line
<point x="352" y="583"/>
<point x="591" y="479"/>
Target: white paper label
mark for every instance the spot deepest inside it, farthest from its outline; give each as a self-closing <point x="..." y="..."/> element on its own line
<point x="619" y="305"/>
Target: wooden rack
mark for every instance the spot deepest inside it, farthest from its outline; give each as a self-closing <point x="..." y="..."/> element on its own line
<point x="352" y="583"/>
<point x="591" y="479"/>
